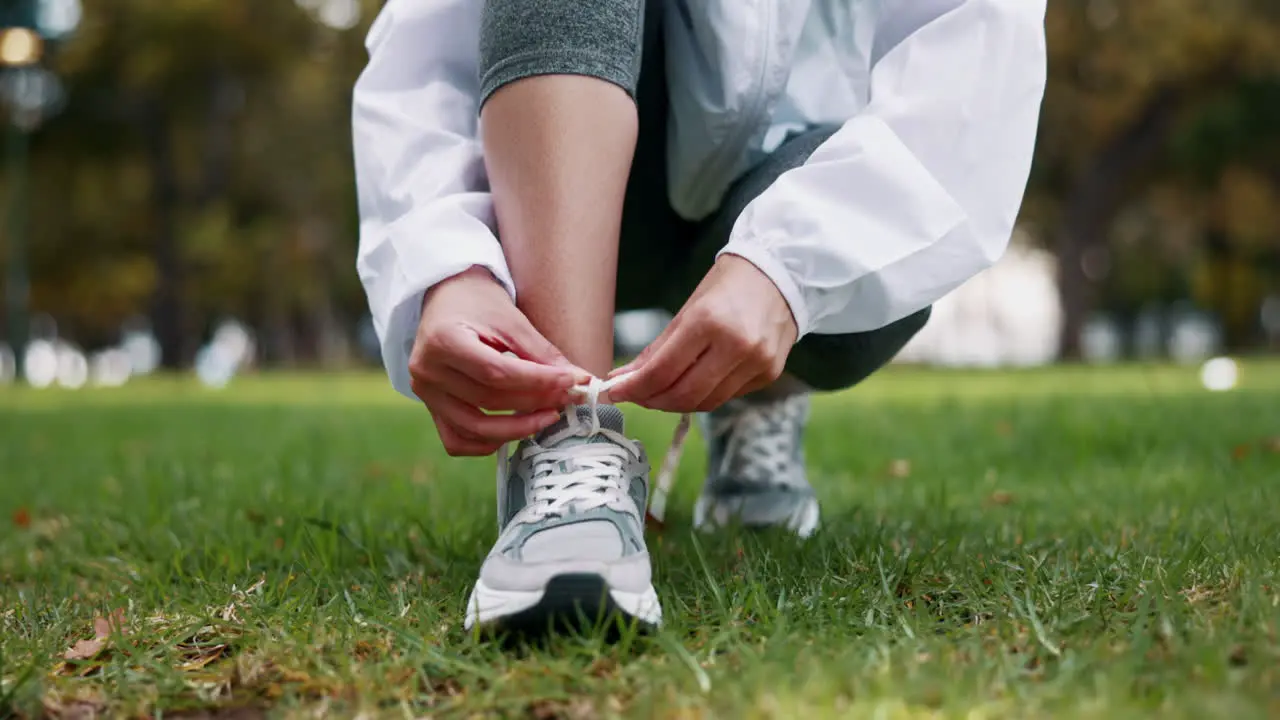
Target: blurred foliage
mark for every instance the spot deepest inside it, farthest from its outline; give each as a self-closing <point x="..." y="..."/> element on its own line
<point x="202" y="167"/>
<point x="1158" y="167"/>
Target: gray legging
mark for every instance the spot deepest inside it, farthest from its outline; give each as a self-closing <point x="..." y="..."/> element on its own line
<point x="620" y="41"/>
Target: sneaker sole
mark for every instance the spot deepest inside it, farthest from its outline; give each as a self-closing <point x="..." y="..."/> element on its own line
<point x="568" y="603"/>
<point x="803" y="521"/>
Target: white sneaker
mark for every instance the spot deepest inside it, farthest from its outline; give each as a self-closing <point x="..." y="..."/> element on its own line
<point x="755" y="467"/>
<point x="571" y="507"/>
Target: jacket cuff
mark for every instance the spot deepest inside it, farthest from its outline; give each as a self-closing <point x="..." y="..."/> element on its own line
<point x="419" y="267"/>
<point x="758" y="254"/>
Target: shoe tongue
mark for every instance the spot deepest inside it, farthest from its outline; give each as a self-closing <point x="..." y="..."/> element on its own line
<point x="610" y="419"/>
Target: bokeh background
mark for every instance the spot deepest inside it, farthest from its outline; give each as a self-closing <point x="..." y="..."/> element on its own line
<point x="178" y="192"/>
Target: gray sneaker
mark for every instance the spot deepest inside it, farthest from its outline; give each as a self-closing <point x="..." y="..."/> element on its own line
<point x="571" y="514"/>
<point x="755" y="467"/>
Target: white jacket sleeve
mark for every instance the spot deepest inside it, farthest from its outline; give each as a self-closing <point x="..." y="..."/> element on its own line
<point x="919" y="192"/>
<point x="425" y="209"/>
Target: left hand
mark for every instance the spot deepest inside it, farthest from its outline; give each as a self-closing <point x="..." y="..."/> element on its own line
<point x="731" y="338"/>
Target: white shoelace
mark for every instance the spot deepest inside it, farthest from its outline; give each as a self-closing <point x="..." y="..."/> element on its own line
<point x="596" y="479"/>
<point x="754" y="424"/>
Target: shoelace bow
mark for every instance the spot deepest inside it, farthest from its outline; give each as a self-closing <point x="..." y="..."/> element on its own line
<point x="595" y="480"/>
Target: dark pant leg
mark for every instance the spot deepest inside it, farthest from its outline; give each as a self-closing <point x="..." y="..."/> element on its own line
<point x="596" y="38"/>
<point x="823" y="362"/>
<point x="655" y="238"/>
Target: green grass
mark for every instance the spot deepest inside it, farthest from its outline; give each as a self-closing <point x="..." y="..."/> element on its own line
<point x="1074" y="542"/>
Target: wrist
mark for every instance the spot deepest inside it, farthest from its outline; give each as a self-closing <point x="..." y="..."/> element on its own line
<point x="779" y="279"/>
<point x="473" y="279"/>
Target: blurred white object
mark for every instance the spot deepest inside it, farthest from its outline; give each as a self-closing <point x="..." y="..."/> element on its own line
<point x="635" y="329"/>
<point x="1101" y="341"/>
<point x="110" y="368"/>
<point x="8" y="365"/>
<point x="72" y="366"/>
<point x="234" y="338"/>
<point x="334" y="14"/>
<point x="231" y="349"/>
<point x="1219" y="374"/>
<point x="1009" y="315"/>
<point x="143" y="350"/>
<point x="40" y="363"/>
<point x="1194" y="337"/>
<point x="214" y="366"/>
<point x="339" y="14"/>
<point x="58" y="18"/>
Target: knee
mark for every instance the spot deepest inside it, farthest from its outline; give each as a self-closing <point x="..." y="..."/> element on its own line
<point x="836" y="362"/>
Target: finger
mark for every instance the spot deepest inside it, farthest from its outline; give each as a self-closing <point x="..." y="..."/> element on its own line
<point x="488" y="367"/>
<point x="699" y="381"/>
<point x="662" y="370"/>
<point x="477" y="395"/>
<point x="757" y="384"/>
<point x="739" y="382"/>
<point x="459" y="445"/>
<point x="490" y="428"/>
<point x="523" y="339"/>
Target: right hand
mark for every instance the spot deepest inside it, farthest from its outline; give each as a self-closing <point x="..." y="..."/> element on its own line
<point x="459" y="368"/>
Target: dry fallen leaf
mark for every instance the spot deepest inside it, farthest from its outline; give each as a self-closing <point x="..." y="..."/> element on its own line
<point x="900" y="468"/>
<point x="198" y="657"/>
<point x="22" y="518"/>
<point x="102" y="630"/>
<point x="1273" y="444"/>
<point x="1000" y="497"/>
<point x="1241" y="451"/>
<point x="82" y="706"/>
<point x="421" y="474"/>
<point x="86" y="649"/>
<point x="559" y="710"/>
<point x="50" y="528"/>
<point x="104" y="626"/>
<point x="603" y="667"/>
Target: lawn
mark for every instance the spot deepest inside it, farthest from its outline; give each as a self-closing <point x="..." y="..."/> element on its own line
<point x="1071" y="542"/>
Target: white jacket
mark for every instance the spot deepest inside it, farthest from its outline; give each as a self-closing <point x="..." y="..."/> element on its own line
<point x="938" y="102"/>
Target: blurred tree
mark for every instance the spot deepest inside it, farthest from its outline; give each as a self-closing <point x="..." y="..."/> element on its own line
<point x="202" y="166"/>
<point x="1126" y="81"/>
<point x="202" y="169"/>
